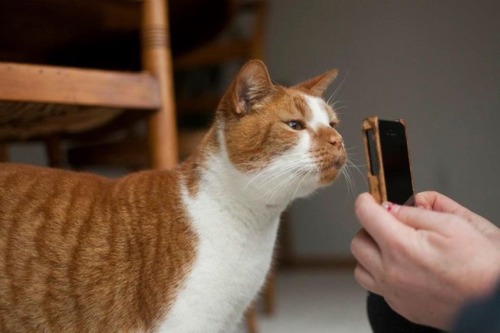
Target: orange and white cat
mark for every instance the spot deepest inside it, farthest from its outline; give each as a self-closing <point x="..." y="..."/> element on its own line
<point x="166" y="251"/>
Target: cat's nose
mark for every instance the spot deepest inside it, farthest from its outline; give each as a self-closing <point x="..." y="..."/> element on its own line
<point x="336" y="140"/>
<point x="331" y="136"/>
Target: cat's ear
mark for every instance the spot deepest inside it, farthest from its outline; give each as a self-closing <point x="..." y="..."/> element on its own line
<point x="251" y="85"/>
<point x="318" y="85"/>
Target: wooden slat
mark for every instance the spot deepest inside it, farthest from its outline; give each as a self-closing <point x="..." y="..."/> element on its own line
<point x="62" y="85"/>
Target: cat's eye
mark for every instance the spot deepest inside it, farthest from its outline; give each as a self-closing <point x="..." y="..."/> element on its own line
<point x="333" y="124"/>
<point x="296" y="125"/>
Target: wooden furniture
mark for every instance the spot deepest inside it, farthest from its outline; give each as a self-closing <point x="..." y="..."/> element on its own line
<point x="81" y="90"/>
<point x="157" y="59"/>
<point x="219" y="52"/>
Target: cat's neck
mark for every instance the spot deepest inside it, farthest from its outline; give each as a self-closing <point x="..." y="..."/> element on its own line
<point x="210" y="172"/>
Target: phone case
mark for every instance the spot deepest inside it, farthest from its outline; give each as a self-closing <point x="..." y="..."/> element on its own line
<point x="376" y="183"/>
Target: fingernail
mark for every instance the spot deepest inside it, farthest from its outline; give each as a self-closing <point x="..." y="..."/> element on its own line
<point x="387" y="205"/>
<point x="390" y="207"/>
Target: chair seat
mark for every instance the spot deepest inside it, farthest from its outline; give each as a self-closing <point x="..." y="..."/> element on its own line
<point x="25" y="121"/>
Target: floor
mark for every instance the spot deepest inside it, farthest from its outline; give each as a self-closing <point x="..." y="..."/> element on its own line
<point x="316" y="301"/>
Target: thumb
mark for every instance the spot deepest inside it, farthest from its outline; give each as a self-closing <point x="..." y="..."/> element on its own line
<point x="419" y="218"/>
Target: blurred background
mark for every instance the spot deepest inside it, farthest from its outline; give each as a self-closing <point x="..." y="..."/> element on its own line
<point x="435" y="64"/>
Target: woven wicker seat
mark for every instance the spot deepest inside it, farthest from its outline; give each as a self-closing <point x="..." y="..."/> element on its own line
<point x="28" y="121"/>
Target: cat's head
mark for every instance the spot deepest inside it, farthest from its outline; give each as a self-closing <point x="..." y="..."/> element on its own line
<point x="283" y="140"/>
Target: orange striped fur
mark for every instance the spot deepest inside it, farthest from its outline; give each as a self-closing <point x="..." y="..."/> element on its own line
<point x="80" y="253"/>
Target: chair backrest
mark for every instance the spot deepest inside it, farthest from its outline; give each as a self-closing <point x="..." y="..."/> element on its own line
<point x="150" y="89"/>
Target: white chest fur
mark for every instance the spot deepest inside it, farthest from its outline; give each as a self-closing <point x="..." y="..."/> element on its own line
<point x="235" y="247"/>
<point x="236" y="207"/>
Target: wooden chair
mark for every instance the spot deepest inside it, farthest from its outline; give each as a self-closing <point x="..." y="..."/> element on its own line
<point x="214" y="53"/>
<point x="81" y="90"/>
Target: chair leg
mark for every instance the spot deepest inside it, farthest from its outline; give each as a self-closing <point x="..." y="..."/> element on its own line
<point x="269" y="293"/>
<point x="259" y="31"/>
<point x="157" y="59"/>
<point x="251" y="319"/>
<point x="4" y="154"/>
<point x="54" y="151"/>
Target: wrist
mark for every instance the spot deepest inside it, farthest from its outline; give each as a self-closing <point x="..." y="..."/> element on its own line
<point x="488" y="280"/>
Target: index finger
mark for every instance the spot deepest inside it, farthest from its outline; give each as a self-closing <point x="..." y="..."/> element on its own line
<point x="377" y="221"/>
<point x="438" y="202"/>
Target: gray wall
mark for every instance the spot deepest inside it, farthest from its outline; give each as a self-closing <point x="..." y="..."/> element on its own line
<point x="433" y="63"/>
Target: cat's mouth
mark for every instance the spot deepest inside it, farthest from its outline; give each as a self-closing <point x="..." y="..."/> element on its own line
<point x="336" y="164"/>
<point x="329" y="170"/>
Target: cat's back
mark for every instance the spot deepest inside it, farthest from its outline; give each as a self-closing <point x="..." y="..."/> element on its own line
<point x="42" y="215"/>
<point x="28" y="191"/>
<point x="30" y="194"/>
<point x="18" y="178"/>
<point x="82" y="253"/>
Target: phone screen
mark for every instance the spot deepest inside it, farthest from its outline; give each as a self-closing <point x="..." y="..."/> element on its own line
<point x="396" y="162"/>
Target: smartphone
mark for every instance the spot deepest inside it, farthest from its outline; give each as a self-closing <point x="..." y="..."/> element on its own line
<point x="389" y="177"/>
<point x="389" y="172"/>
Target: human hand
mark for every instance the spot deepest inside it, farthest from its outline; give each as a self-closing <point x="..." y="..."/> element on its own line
<point x="428" y="261"/>
<point x="440" y="203"/>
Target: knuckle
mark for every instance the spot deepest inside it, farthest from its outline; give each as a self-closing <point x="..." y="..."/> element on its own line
<point x="392" y="275"/>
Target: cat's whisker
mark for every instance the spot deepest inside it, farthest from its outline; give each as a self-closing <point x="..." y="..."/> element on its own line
<point x="276" y="171"/>
<point x="285" y="181"/>
<point x="349" y="183"/>
<point x="304" y="177"/>
<point x="338" y="108"/>
<point x="351" y="148"/>
<point x="338" y="89"/>
<point x="289" y="156"/>
<point x="266" y="174"/>
<point x="286" y="172"/>
<point x="351" y="164"/>
<point x="290" y="177"/>
<point x="337" y="105"/>
<point x="274" y="185"/>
